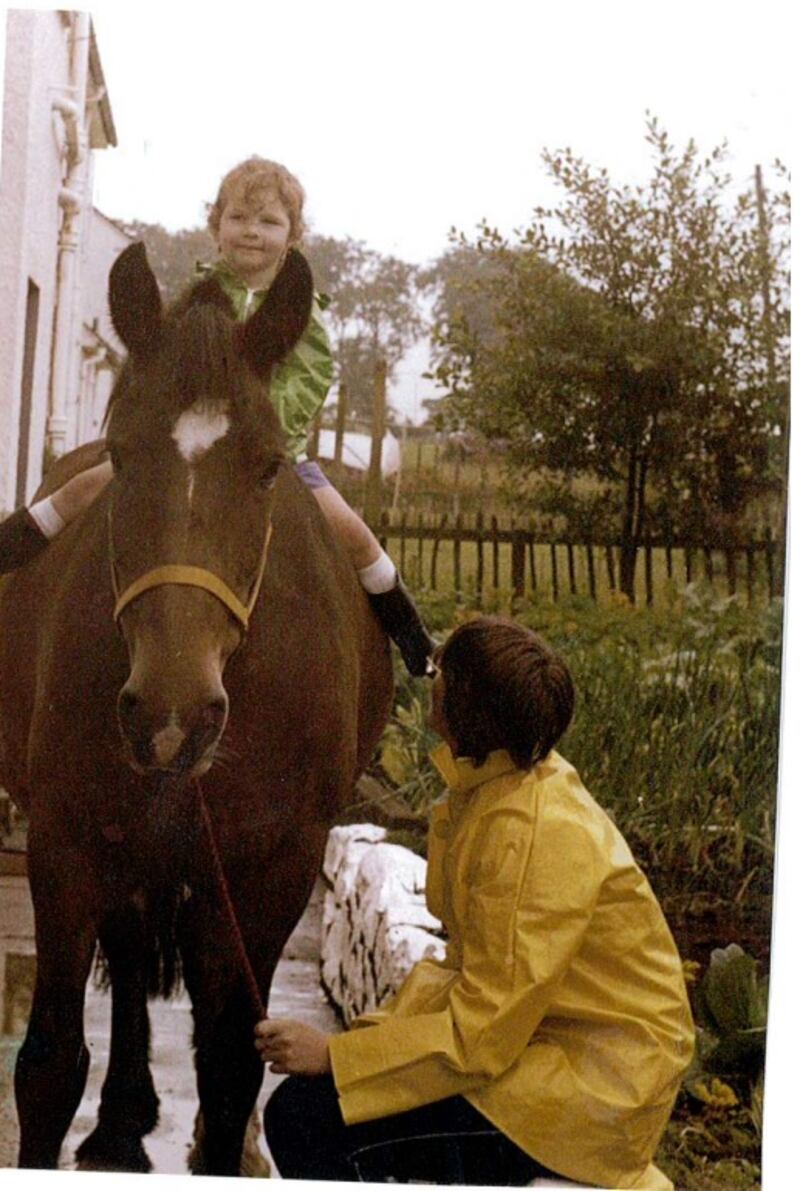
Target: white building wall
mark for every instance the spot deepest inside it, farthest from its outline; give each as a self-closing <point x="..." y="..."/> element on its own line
<point x="30" y="179"/>
<point x="39" y="70"/>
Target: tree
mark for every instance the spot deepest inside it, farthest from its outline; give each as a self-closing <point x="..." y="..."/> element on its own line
<point x="373" y="310"/>
<point x="626" y="343"/>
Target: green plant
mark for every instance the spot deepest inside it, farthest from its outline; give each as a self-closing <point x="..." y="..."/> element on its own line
<point x="730" y="1004"/>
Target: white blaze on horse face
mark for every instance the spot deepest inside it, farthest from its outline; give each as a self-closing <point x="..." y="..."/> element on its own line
<point x="196" y="431"/>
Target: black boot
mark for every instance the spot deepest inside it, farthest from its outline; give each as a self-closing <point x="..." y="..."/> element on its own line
<point x="20" y="540"/>
<point x="399" y="617"/>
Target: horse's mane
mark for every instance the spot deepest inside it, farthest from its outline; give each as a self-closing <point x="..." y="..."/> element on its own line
<point x="198" y="350"/>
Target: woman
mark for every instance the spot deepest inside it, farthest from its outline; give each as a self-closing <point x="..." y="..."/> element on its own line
<point x="553" y="1035"/>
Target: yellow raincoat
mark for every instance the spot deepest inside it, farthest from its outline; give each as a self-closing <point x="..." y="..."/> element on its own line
<point x="559" y="1010"/>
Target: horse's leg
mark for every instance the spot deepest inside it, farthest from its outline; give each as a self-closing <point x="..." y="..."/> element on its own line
<point x="128" y="1103"/>
<point x="53" y="1061"/>
<point x="229" y="1070"/>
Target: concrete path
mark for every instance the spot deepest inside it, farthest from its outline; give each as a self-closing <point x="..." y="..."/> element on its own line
<point x="296" y="993"/>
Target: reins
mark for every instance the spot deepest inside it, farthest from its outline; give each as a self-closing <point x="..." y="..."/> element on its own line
<point x="253" y="991"/>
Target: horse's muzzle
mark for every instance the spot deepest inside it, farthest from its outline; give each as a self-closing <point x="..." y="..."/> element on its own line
<point x="175" y="742"/>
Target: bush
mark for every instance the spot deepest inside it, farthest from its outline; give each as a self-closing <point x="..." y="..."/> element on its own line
<point x="675" y="732"/>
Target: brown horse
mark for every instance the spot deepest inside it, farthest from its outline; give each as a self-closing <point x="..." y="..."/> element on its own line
<point x="116" y="849"/>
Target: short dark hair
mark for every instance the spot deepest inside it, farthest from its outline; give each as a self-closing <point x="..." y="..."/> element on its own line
<point x="504" y="688"/>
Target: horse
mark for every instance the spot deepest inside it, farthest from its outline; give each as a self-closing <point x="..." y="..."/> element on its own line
<point x="189" y="674"/>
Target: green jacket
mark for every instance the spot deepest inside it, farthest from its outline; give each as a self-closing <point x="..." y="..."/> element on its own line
<point x="301" y="383"/>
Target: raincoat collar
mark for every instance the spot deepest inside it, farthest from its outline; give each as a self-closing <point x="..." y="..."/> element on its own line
<point x="460" y="774"/>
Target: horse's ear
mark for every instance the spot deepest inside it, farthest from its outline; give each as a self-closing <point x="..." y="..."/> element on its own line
<point x="134" y="300"/>
<point x="282" y="317"/>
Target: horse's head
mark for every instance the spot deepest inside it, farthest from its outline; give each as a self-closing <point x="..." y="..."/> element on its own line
<point x="196" y="448"/>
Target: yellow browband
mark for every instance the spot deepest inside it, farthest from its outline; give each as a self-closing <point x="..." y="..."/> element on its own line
<point x="195" y="577"/>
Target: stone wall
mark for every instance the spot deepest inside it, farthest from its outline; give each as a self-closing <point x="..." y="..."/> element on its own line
<point x="375" y="925"/>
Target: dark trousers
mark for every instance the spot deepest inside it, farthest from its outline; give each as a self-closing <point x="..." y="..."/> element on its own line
<point x="445" y="1142"/>
<point x="20" y="540"/>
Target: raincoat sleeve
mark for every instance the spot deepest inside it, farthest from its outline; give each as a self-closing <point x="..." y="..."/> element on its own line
<point x="533" y="884"/>
<point x="301" y="383"/>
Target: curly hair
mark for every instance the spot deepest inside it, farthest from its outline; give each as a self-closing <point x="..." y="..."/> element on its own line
<point x="249" y="181"/>
<point x="504" y="688"/>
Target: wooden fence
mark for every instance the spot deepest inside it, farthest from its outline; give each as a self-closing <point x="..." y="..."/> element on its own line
<point x="450" y="554"/>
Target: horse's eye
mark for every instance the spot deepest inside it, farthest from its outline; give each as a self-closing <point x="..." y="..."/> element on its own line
<point x="268" y="473"/>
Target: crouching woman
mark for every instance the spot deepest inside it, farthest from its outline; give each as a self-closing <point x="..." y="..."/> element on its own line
<point x="552" y="1037"/>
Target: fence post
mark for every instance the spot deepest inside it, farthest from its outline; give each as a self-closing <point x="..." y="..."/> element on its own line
<point x="479" y="546"/>
<point x="457" y="553"/>
<point x="532" y="553"/>
<point x="495" y="555"/>
<point x="434" y="556"/>
<point x="338" y="440"/>
<point x="518" y="563"/>
<point x="590" y="570"/>
<point x="372" y="500"/>
<point x="612" y="583"/>
<point x="384" y="529"/>
<point x="403" y="543"/>
<point x="554" y="569"/>
<point x="312" y="449"/>
<point x="571" y="568"/>
<point x="648" y="571"/>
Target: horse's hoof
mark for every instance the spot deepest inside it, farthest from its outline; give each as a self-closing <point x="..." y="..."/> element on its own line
<point x="102" y="1150"/>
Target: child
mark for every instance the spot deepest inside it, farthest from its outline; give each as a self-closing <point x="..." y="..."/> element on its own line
<point x="256" y="218"/>
<point x="552" y="1036"/>
<point x="25" y="533"/>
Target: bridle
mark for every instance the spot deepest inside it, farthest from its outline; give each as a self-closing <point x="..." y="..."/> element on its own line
<point x="188" y="576"/>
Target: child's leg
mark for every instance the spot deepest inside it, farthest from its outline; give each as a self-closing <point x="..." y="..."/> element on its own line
<point x="376" y="571"/>
<point x="25" y="533"/>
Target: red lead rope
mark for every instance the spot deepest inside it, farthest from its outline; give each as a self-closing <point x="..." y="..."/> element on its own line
<point x="253" y="991"/>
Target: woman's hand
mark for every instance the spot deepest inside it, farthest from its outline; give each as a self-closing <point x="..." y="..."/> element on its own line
<point x="293" y="1048"/>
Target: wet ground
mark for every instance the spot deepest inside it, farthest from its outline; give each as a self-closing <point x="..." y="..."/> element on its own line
<point x="296" y="993"/>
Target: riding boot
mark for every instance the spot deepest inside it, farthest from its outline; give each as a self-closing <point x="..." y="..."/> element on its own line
<point x="400" y="619"/>
<point x="21" y="539"/>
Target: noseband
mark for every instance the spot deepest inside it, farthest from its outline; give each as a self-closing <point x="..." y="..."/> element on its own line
<point x="189" y="576"/>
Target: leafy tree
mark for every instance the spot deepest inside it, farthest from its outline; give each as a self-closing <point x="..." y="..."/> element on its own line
<point x="373" y="310"/>
<point x="627" y="342"/>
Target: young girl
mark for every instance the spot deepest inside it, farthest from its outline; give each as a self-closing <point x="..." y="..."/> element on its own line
<point x="256" y="218"/>
<point x="552" y="1037"/>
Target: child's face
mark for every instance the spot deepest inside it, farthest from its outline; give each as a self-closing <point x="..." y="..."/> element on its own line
<point x="253" y="237"/>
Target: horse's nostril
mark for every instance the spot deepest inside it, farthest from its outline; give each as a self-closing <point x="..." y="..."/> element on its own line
<point x="215" y="712"/>
<point x="127" y="706"/>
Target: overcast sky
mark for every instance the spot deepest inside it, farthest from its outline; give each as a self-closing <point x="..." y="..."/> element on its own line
<point x="402" y="120"/>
